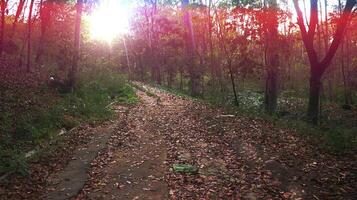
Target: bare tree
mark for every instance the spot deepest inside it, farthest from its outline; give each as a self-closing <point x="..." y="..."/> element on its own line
<point x="229" y="57"/>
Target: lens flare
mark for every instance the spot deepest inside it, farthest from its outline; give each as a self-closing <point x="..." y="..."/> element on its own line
<point x="109" y="20"/>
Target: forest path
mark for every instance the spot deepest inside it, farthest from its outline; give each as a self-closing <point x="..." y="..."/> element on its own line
<point x="135" y="168"/>
<point x="237" y="157"/>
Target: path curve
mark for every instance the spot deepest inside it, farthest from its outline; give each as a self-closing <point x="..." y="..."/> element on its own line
<point x="238" y="157"/>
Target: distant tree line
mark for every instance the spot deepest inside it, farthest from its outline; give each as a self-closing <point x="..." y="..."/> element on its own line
<point x="215" y="46"/>
<point x="205" y="47"/>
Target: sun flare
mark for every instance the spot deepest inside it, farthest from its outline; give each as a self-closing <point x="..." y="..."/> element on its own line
<point x="109" y="20"/>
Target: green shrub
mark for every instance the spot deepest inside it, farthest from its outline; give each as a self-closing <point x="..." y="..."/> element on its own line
<point x="13" y="161"/>
<point x="127" y="95"/>
<point x="43" y="113"/>
<point x="333" y="134"/>
<point x="96" y="90"/>
<point x="37" y="123"/>
<point x="341" y="139"/>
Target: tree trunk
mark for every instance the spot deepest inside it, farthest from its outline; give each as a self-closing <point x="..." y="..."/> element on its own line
<point x="127" y="59"/>
<point x="236" y="101"/>
<point x="45" y="19"/>
<point x="181" y="78"/>
<point x="210" y="40"/>
<point x="343" y="70"/>
<point x="271" y="87"/>
<point x="169" y="79"/>
<point x="150" y="14"/>
<point x="348" y="63"/>
<point x="326" y="43"/>
<point x="2" y="25"/>
<point x="317" y="67"/>
<point x="190" y="49"/>
<point x="314" y="99"/>
<point x="142" y="70"/>
<point x="158" y="72"/>
<point x="222" y="37"/>
<point x="29" y="23"/>
<point x="77" y="37"/>
<point x="271" y="90"/>
<point x="19" y="9"/>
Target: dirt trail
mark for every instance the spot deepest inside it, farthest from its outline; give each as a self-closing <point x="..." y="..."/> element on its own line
<point x="238" y="157"/>
<point x="136" y="169"/>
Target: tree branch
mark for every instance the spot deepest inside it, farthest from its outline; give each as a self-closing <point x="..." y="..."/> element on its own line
<point x="338" y="36"/>
<point x="314" y="18"/>
<point x="300" y="19"/>
<point x="307" y="38"/>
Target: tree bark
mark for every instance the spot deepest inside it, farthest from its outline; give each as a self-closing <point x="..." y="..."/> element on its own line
<point x="271" y="91"/>
<point x="236" y="101"/>
<point x="127" y="59"/>
<point x="45" y="20"/>
<point x="3" y="7"/>
<point x="314" y="98"/>
<point x="222" y="37"/>
<point x="190" y="49"/>
<point x="29" y="32"/>
<point x="77" y="37"/>
<point x="348" y="63"/>
<point x="317" y="68"/>
<point x="19" y="10"/>
<point x="150" y="14"/>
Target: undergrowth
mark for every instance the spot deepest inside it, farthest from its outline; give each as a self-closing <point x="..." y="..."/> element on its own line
<point x="33" y="116"/>
<point x="336" y="133"/>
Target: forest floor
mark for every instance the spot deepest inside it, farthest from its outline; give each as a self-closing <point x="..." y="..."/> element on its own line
<point x="132" y="157"/>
